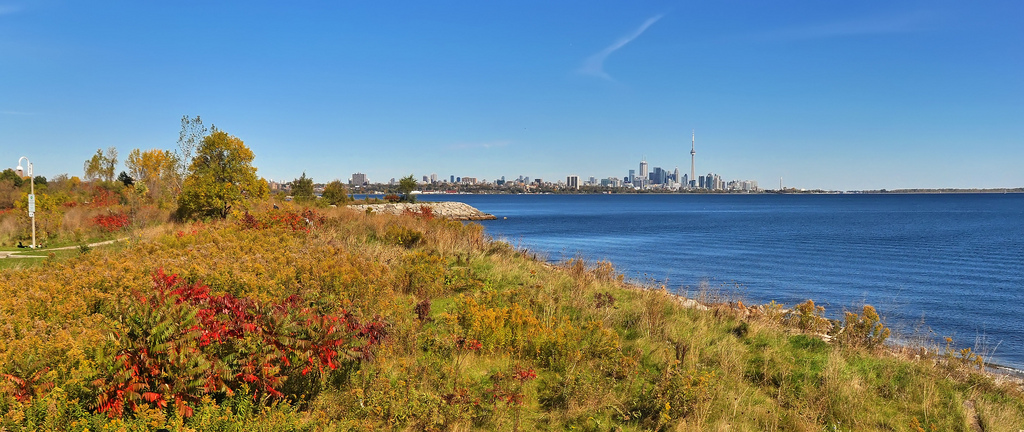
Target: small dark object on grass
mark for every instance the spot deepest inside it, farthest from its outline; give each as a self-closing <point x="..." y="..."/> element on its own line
<point x="604" y="300"/>
<point x="741" y="330"/>
<point x="423" y="310"/>
<point x="84" y="248"/>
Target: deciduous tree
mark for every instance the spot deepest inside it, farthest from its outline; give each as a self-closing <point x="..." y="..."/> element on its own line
<point x="94" y="166"/>
<point x="191" y="136"/>
<point x="335" y="193"/>
<point x="109" y="163"/>
<point x="157" y="169"/>
<point x="101" y="165"/>
<point x="221" y="177"/>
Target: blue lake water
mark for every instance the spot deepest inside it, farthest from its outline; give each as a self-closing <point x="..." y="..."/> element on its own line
<point x="954" y="262"/>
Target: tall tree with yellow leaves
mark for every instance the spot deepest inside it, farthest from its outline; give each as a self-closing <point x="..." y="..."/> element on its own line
<point x="156" y="169"/>
<point x="221" y="178"/>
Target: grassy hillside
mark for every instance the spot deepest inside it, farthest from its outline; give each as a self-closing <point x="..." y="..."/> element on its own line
<point x="296" y="320"/>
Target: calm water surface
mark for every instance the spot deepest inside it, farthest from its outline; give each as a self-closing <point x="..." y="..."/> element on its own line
<point x="953" y="262"/>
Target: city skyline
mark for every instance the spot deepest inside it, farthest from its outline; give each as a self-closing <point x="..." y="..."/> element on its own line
<point x="872" y="95"/>
<point x="656" y="178"/>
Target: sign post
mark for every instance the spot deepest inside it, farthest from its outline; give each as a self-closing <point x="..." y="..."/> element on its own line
<point x="31" y="197"/>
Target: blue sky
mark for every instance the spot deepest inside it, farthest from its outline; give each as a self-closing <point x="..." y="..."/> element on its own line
<point x="834" y="95"/>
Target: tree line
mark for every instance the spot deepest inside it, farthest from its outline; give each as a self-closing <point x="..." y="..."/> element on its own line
<point x="209" y="175"/>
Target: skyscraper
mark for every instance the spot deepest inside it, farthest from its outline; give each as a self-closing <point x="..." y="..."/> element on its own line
<point x="643" y="167"/>
<point x="693" y="153"/>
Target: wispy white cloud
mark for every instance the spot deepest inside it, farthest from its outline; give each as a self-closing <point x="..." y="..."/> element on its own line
<point x="594" y="65"/>
<point x="871" y="26"/>
<point x="479" y="145"/>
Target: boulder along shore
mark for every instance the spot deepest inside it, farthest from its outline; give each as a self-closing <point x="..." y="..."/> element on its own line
<point x="446" y="209"/>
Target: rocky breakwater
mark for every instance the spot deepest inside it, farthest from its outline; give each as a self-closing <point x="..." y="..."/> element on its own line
<point x="447" y="210"/>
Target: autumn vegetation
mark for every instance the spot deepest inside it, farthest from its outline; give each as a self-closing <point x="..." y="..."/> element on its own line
<point x="271" y="315"/>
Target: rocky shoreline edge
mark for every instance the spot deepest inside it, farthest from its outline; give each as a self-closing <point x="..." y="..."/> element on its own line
<point x="445" y="209"/>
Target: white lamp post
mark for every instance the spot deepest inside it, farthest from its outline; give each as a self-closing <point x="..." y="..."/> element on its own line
<point x="31" y="196"/>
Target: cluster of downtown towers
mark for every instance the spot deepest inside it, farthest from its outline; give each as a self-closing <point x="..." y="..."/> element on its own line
<point x="659" y="178"/>
<point x="656" y="178"/>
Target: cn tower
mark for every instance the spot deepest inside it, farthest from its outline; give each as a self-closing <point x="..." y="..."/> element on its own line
<point x="693" y="155"/>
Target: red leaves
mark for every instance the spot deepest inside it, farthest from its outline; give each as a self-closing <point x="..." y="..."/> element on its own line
<point x="112" y="222"/>
<point x="508" y="387"/>
<point x="200" y="344"/>
<point x="27" y="388"/>
<point x="523" y="375"/>
<point x="467" y="344"/>
<point x="425" y="212"/>
<point x="303" y="221"/>
<point x="102" y="197"/>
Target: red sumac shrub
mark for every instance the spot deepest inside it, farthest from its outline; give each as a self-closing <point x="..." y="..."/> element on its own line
<point x="180" y="342"/>
<point x="112" y="222"/>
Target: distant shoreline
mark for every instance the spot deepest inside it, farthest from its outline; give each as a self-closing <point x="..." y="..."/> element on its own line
<point x="764" y="192"/>
<point x="426" y="196"/>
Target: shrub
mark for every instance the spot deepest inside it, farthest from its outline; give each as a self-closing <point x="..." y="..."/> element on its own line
<point x="181" y="343"/>
<point x="678" y="394"/>
<point x="808" y="317"/>
<point x="402" y="236"/>
<point x="112" y="222"/>
<point x="865" y="329"/>
<point x="305" y="221"/>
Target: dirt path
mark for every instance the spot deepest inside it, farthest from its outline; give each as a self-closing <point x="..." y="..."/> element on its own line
<point x="17" y="254"/>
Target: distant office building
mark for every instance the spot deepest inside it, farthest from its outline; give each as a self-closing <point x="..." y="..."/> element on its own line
<point x="451" y="179"/>
<point x="433" y="178"/>
<point x="426" y="179"/>
<point x="675" y="176"/>
<point x="358" y="179"/>
<point x="643" y="168"/>
<point x="572" y="182"/>
<point x="469" y="180"/>
<point x="632" y="175"/>
<point x="658" y="176"/>
<point x="711" y="181"/>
